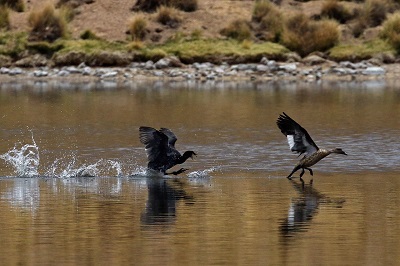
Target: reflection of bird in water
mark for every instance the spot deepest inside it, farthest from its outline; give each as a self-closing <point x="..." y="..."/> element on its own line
<point x="162" y="198"/>
<point x="300" y="141"/>
<point x="304" y="208"/>
<point x="160" y="149"/>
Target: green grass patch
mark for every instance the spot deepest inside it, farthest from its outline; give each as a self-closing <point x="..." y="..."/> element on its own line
<point x="45" y="48"/>
<point x="90" y="46"/>
<point x="218" y="51"/>
<point x="13" y="44"/>
<point x="360" y="51"/>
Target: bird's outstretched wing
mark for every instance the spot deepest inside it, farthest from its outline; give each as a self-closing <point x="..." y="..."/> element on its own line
<point x="156" y="143"/>
<point x="298" y="138"/>
<point x="171" y="136"/>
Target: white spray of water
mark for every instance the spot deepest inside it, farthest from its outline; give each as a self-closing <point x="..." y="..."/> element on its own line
<point x="24" y="160"/>
<point x="203" y="173"/>
<point x="70" y="169"/>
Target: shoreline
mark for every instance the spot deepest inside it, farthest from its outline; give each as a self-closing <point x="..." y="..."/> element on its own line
<point x="171" y="69"/>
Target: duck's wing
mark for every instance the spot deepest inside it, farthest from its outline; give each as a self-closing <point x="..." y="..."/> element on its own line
<point x="156" y="143"/>
<point x="298" y="138"/>
<point x="171" y="136"/>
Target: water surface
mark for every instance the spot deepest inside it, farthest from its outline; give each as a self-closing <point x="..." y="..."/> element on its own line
<point x="234" y="205"/>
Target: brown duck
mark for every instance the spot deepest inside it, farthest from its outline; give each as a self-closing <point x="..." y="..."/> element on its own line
<point x="301" y="142"/>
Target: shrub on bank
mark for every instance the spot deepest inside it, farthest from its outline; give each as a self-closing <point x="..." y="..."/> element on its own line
<point x="17" y="5"/>
<point x="47" y="24"/>
<point x="169" y="16"/>
<point x="137" y="28"/>
<point x="303" y="35"/>
<point x="4" y="18"/>
<point x="391" y="31"/>
<point x="152" y="5"/>
<point x="184" y="5"/>
<point x="238" y="29"/>
<point x="372" y="14"/>
<point x="333" y="9"/>
<point x="89" y="35"/>
<point x="268" y="19"/>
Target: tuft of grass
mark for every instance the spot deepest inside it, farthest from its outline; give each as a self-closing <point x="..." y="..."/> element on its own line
<point x="178" y="36"/>
<point x="4" y="18"/>
<point x="372" y="14"/>
<point x="246" y="44"/>
<point x="333" y="9"/>
<point x="137" y="28"/>
<point x="89" y="35"/>
<point x="13" y="44"/>
<point x="169" y="16"/>
<point x="154" y="54"/>
<point x="47" y="24"/>
<point x="17" y="5"/>
<point x="238" y="29"/>
<point x="261" y="9"/>
<point x="304" y="35"/>
<point x="269" y="20"/>
<point x="152" y="5"/>
<point x="196" y="34"/>
<point x="375" y="12"/>
<point x="184" y="5"/>
<point x="391" y="31"/>
<point x="135" y="45"/>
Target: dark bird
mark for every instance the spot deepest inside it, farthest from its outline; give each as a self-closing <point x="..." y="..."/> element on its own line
<point x="160" y="150"/>
<point x="301" y="142"/>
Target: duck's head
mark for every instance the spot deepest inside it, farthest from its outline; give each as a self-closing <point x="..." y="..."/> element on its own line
<point x="189" y="154"/>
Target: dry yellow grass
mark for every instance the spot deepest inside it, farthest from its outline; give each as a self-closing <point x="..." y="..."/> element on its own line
<point x="137" y="27"/>
<point x="169" y="16"/>
<point x="47" y="24"/>
<point x="304" y="35"/>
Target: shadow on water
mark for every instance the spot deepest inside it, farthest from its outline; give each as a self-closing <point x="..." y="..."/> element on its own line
<point x="163" y="195"/>
<point x="303" y="209"/>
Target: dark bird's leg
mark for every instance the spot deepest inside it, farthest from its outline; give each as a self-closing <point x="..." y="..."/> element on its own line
<point x="301" y="174"/>
<point x="294" y="170"/>
<point x="311" y="173"/>
<point x="177" y="172"/>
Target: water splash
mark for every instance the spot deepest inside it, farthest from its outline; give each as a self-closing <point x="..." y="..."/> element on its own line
<point x="69" y="169"/>
<point x="24" y="160"/>
<point x="141" y="171"/>
<point x="204" y="173"/>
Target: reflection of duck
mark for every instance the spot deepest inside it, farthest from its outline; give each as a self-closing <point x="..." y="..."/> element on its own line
<point x="300" y="141"/>
<point x="160" y="149"/>
<point x="162" y="198"/>
<point x="304" y="208"/>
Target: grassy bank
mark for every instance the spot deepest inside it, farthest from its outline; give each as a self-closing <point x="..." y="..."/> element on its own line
<point x="249" y="30"/>
<point x="99" y="52"/>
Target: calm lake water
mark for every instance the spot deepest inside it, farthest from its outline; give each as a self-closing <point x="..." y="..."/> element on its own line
<point x="233" y="207"/>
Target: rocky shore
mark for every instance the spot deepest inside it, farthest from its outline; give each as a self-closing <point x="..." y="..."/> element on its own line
<point x="312" y="68"/>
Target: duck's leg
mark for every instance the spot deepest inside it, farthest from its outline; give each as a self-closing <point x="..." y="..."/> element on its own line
<point x="301" y="174"/>
<point x="177" y="172"/>
<point x="294" y="170"/>
<point x="311" y="173"/>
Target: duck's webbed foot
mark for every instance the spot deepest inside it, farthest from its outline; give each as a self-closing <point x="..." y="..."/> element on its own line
<point x="177" y="172"/>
